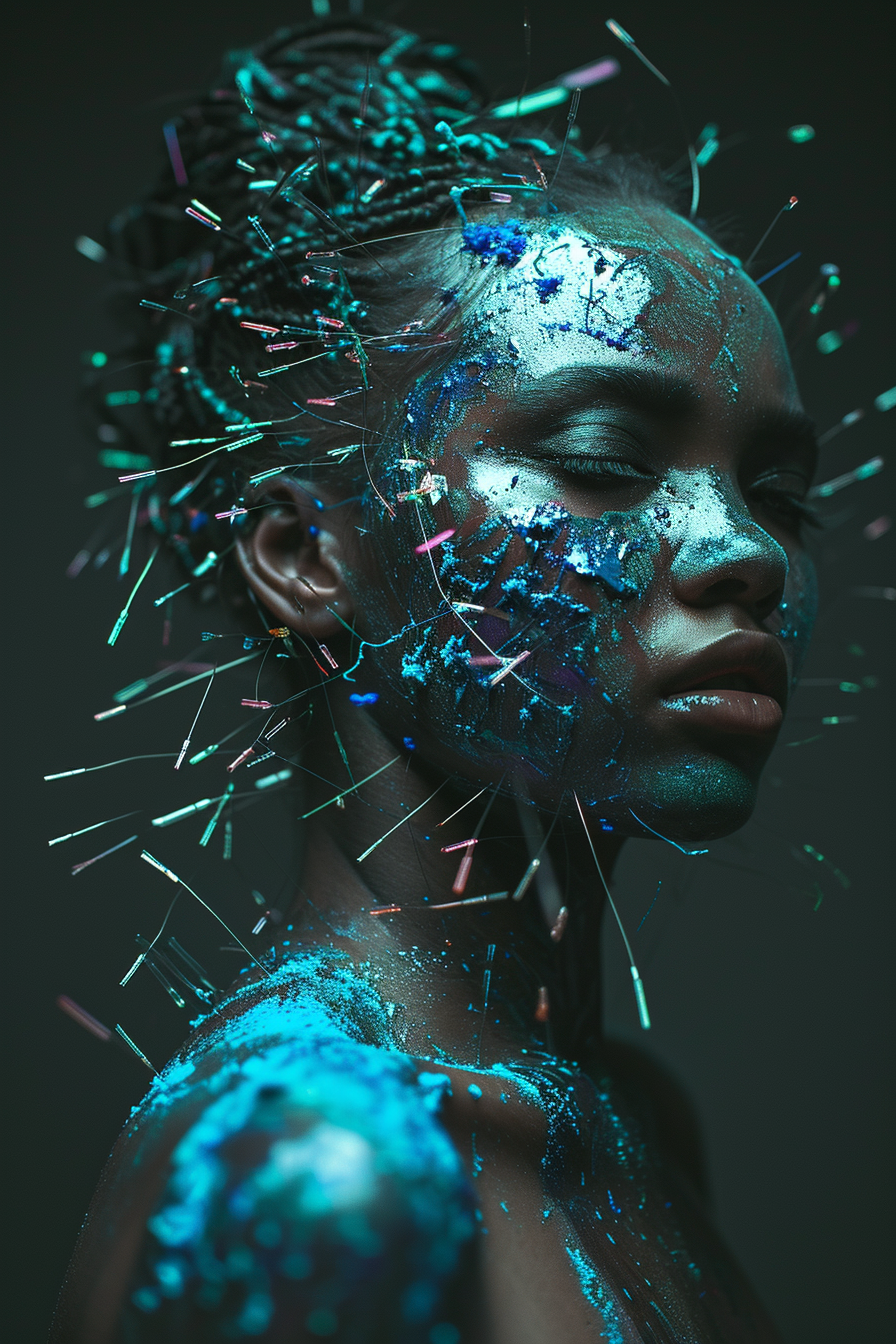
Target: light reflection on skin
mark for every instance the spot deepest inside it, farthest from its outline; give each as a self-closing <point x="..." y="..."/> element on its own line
<point x="646" y="406"/>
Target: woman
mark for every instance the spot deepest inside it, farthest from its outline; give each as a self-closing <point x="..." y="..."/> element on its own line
<point x="519" y="472"/>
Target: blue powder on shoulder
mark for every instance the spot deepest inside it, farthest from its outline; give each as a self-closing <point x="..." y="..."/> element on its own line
<point x="310" y="1074"/>
<point x="596" y="1292"/>
<point x="502" y="243"/>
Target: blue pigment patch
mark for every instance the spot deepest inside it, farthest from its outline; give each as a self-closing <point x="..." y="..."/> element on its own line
<point x="502" y="243"/>
<point x="547" y="285"/>
<point x="594" y="1291"/>
<point x="315" y="1154"/>
<point x="415" y="666"/>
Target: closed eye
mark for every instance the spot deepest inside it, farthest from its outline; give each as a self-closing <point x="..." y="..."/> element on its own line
<point x="602" y="451"/>
<point x="617" y="468"/>
<point x="783" y="494"/>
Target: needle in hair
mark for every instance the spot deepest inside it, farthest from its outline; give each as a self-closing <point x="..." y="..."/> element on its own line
<point x="376" y="844"/>
<point x="136" y="1049"/>
<point x="869" y="468"/>
<point x="176" y="466"/>
<point x="652" y="904"/>
<point x="463" y="805"/>
<point x="486" y="987"/>
<point x="173" y="877"/>
<point x="166" y="597"/>
<point x="387" y="238"/>
<point x="443" y="905"/>
<point x="123" y="615"/>
<point x="640" y="997"/>
<point x="79" y="867"/>
<point x="851" y="418"/>
<point x="169" y="818"/>
<point x="158" y="961"/>
<point x="775" y="269"/>
<point x="535" y="860"/>
<point x="788" y="205"/>
<point x="468" y="846"/>
<point x="125" y="562"/>
<point x="470" y="900"/>
<point x="345" y="792"/>
<point x="628" y="41"/>
<point x="570" y="122"/>
<point x="156" y="970"/>
<point x="124" y="760"/>
<point x="222" y="803"/>
<point x="83" y="1018"/>
<point x="186" y="743"/>
<point x="540" y="866"/>
<point x="96" y="825"/>
<point x="168" y="690"/>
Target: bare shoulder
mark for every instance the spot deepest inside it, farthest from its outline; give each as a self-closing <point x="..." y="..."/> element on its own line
<point x="286" y="1176"/>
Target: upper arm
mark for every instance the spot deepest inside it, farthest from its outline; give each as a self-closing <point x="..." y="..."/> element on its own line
<point x="300" y="1194"/>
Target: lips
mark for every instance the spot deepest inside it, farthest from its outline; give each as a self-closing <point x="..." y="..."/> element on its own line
<point x="737" y="684"/>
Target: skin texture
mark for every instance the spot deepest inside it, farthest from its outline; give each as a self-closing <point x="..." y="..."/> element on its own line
<point x="624" y="458"/>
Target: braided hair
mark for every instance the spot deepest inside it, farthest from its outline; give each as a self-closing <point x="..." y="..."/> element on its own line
<point x="250" y="283"/>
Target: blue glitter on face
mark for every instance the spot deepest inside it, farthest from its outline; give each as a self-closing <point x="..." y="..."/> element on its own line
<point x="547" y="285"/>
<point x="501" y="243"/>
<point x="576" y="518"/>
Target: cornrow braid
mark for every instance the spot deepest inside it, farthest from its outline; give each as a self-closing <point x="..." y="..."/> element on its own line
<point x="253" y="265"/>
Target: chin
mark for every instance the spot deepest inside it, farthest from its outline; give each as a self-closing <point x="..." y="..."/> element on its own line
<point x="694" y="798"/>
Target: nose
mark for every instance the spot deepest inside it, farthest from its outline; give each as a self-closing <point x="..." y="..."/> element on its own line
<point x="725" y="557"/>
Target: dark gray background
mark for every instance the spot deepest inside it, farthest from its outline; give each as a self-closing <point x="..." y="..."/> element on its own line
<point x="777" y="1016"/>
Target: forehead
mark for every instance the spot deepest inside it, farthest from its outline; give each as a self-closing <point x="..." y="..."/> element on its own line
<point x="621" y="286"/>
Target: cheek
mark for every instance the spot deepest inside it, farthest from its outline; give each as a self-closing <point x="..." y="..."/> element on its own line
<point x="799" y="607"/>
<point x="558" y="588"/>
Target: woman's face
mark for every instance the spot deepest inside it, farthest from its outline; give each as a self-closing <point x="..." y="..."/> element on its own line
<point x="624" y="458"/>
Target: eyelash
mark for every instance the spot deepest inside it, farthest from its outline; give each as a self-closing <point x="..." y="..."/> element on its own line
<point x="787" y="505"/>
<point x="580" y="465"/>
<point x="620" y="469"/>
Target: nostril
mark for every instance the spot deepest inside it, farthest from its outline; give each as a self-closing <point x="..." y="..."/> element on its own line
<point x="742" y="593"/>
<point x="743" y="566"/>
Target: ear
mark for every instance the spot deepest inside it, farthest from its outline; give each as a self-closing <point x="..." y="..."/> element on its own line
<point x="293" y="559"/>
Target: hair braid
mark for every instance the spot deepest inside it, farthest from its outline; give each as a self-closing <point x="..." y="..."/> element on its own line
<point x="323" y="138"/>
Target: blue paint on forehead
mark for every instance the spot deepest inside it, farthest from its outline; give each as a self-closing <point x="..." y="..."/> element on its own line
<point x="502" y="243"/>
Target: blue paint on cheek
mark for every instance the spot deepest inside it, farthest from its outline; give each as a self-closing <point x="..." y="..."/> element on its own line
<point x="416" y="665"/>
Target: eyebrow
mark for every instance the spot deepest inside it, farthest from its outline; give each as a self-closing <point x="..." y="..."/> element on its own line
<point x="576" y="388"/>
<point x="580" y="386"/>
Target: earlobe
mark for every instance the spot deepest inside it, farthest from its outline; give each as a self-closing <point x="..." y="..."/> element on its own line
<point x="292" y="560"/>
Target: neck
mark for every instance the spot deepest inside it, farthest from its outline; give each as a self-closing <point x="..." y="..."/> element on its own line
<point x="473" y="984"/>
